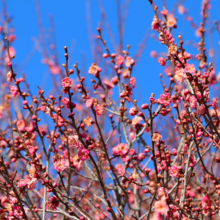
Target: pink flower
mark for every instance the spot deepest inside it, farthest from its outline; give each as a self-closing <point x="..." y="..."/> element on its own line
<point x="155" y="24"/>
<point x="12" y="52"/>
<point x="21" y="125"/>
<point x="165" y="99"/>
<point x="174" y="171"/>
<point x="73" y="140"/>
<point x="120" y="60"/>
<point x="66" y="83"/>
<point x="65" y="101"/>
<point x="14" y="91"/>
<point x="120" y="170"/>
<point x="156" y="137"/>
<point x="77" y="163"/>
<point x="32" y="183"/>
<point x="193" y="102"/>
<point x="55" y="69"/>
<point x="30" y="127"/>
<point x="161" y="207"/>
<point x="129" y="61"/>
<point x="32" y="150"/>
<point x="190" y="68"/>
<point x="89" y="103"/>
<point x="29" y="182"/>
<point x="94" y="69"/>
<point x="171" y="22"/>
<point x="9" y="76"/>
<point x="162" y="192"/>
<point x="214" y="103"/>
<point x="83" y="154"/>
<point x="114" y="80"/>
<point x="53" y="203"/>
<point x="99" y="109"/>
<point x="60" y="165"/>
<point x="22" y="183"/>
<point x="164" y="12"/>
<point x="109" y="84"/>
<point x="132" y="82"/>
<point x="179" y="75"/>
<point x="133" y="111"/>
<point x="161" y="61"/>
<point x="206" y="204"/>
<point x="136" y="120"/>
<point x="120" y="149"/>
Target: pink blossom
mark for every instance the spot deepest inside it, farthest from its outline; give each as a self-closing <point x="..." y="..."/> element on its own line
<point x="53" y="203"/>
<point x="32" y="183"/>
<point x="161" y="61"/>
<point x="94" y="69"/>
<point x="132" y="82"/>
<point x="55" y="69"/>
<point x="193" y="102"/>
<point x="60" y="165"/>
<point x="9" y="76"/>
<point x="164" y="12"/>
<point x="30" y="127"/>
<point x="179" y="75"/>
<point x="136" y="120"/>
<point x="22" y="183"/>
<point x="190" y="68"/>
<point x="174" y="171"/>
<point x="12" y="53"/>
<point x="83" y="154"/>
<point x="77" y="163"/>
<point x="99" y="109"/>
<point x="129" y="61"/>
<point x="73" y="140"/>
<point x="109" y="84"/>
<point x="65" y="101"/>
<point x="133" y="111"/>
<point x="14" y="91"/>
<point x="32" y="150"/>
<point x="156" y="137"/>
<point x="114" y="80"/>
<point x="171" y="21"/>
<point x="155" y="24"/>
<point x="66" y="83"/>
<point x="162" y="192"/>
<point x="120" y="149"/>
<point x="89" y="103"/>
<point x="21" y="125"/>
<point x="165" y="99"/>
<point x="120" y="170"/>
<point x="214" y="103"/>
<point x="161" y="207"/>
<point x="120" y="60"/>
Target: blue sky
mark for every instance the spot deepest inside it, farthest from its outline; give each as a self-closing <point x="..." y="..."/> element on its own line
<point x="71" y="28"/>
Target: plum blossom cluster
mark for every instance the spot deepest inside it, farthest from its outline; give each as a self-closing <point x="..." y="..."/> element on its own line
<point x="93" y="150"/>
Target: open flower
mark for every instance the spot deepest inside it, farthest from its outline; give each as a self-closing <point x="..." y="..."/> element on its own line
<point x="161" y="207"/>
<point x="94" y="69"/>
<point x="60" y="164"/>
<point x="165" y="99"/>
<point x="66" y="83"/>
<point x="14" y="91"/>
<point x="53" y="203"/>
<point x="99" y="109"/>
<point x="120" y="60"/>
<point x="21" y="125"/>
<point x="174" y="171"/>
<point x="156" y="137"/>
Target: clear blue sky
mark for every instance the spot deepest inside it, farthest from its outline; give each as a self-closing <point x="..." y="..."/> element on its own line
<point x="71" y="28"/>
